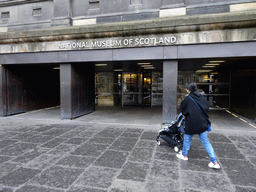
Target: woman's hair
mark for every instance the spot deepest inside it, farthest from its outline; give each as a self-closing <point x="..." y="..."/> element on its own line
<point x="192" y="87"/>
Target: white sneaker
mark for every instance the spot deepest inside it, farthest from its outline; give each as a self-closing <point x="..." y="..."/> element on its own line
<point x="214" y="166"/>
<point x="180" y="156"/>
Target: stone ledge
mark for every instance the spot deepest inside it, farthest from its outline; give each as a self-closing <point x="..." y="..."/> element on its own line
<point x="79" y="22"/>
<point x="246" y="19"/>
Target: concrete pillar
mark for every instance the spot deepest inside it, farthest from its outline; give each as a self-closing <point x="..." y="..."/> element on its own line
<point x="77" y="90"/>
<point x="65" y="91"/>
<point x="170" y="84"/>
<point x="3" y="110"/>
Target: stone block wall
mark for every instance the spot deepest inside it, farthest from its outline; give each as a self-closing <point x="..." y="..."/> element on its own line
<point x="22" y="15"/>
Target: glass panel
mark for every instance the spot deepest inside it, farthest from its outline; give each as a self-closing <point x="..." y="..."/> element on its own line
<point x="157" y="89"/>
<point x="117" y="89"/>
<point x="217" y="93"/>
<point x="130" y="89"/>
<point x="104" y="89"/>
<point x="146" y="89"/>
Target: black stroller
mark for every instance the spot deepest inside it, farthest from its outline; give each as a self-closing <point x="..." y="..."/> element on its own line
<point x="174" y="134"/>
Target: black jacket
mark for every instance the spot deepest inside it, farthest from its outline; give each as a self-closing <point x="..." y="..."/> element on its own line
<point x="195" y="121"/>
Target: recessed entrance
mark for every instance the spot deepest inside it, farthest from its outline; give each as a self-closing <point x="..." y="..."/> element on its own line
<point x="118" y="86"/>
<point x="108" y="73"/>
<point x="137" y="89"/>
<point x="30" y="87"/>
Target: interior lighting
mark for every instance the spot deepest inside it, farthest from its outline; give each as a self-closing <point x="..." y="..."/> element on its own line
<point x="144" y="63"/>
<point x="203" y="71"/>
<point x="151" y="67"/>
<point x="56" y="67"/>
<point x="216" y="61"/>
<point x="100" y="64"/>
<point x="118" y="69"/>
<point x="212" y="64"/>
<point x="209" y="66"/>
<point x="147" y="66"/>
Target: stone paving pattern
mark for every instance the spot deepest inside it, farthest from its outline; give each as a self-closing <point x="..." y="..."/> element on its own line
<point x="80" y="157"/>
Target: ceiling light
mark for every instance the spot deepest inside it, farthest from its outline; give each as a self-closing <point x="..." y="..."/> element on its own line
<point x="118" y="69"/>
<point x="216" y="61"/>
<point x="56" y="67"/>
<point x="212" y="64"/>
<point x="147" y="65"/>
<point x="101" y="64"/>
<point x="143" y="63"/>
<point x="208" y="66"/>
<point x="203" y="71"/>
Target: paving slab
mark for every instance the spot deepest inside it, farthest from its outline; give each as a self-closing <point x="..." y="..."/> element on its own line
<point x="56" y="176"/>
<point x="97" y="177"/>
<point x="18" y="177"/>
<point x="112" y="159"/>
<point x="38" y="155"/>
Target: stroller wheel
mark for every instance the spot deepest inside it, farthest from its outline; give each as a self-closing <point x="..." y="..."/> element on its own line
<point x="158" y="142"/>
<point x="176" y="149"/>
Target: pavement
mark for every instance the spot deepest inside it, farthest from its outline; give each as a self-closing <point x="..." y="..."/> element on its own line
<point x="41" y="153"/>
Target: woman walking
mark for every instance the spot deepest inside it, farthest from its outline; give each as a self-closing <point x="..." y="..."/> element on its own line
<point x="194" y="107"/>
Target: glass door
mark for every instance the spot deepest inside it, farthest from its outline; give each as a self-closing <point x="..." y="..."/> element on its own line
<point x="131" y="89"/>
<point x="157" y="89"/>
<point x="146" y="88"/>
<point x="136" y="89"/>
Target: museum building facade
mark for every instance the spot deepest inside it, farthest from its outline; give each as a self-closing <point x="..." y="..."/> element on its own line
<point x="79" y="54"/>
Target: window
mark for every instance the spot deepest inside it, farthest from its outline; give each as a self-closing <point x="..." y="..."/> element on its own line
<point x="5" y="15"/>
<point x="94" y="4"/>
<point x="37" y="12"/>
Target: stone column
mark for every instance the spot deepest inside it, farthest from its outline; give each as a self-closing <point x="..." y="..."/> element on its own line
<point x="170" y="84"/>
<point x="65" y="91"/>
<point x="77" y="90"/>
<point x="3" y="106"/>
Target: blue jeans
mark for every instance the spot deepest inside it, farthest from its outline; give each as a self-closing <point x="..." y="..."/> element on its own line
<point x="204" y="140"/>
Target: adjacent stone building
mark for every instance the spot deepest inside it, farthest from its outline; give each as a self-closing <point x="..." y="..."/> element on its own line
<point x="82" y="53"/>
